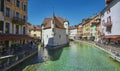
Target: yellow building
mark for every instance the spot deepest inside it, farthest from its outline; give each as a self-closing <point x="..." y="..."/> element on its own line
<point x="13" y="23"/>
<point x="34" y="31"/>
<point x="15" y="16"/>
<point x="91" y="28"/>
<point x="96" y="27"/>
<point x="86" y="29"/>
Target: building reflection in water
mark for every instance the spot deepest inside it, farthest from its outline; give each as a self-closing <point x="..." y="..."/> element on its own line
<point x="51" y="54"/>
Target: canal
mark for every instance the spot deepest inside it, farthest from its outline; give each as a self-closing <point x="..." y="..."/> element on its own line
<point x="79" y="56"/>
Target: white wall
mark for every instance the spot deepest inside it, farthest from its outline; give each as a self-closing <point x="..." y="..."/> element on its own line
<point x="66" y="24"/>
<point x="115" y="18"/>
<point x="60" y="37"/>
<point x="73" y="33"/>
<point x="53" y="38"/>
<point x="46" y="35"/>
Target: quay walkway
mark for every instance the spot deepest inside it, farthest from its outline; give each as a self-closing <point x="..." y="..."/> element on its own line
<point x="13" y="57"/>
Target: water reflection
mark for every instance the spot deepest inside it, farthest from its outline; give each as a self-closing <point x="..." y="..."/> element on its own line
<point x="51" y="54"/>
<point x="77" y="57"/>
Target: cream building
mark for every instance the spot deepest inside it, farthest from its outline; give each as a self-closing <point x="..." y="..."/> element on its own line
<point x="72" y="32"/>
<point x="34" y="31"/>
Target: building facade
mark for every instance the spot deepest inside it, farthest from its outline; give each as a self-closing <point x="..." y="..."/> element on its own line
<point x="73" y="32"/>
<point x="13" y="19"/>
<point x="110" y="20"/>
<point x="54" y="32"/>
<point x="95" y="27"/>
<point x="34" y="31"/>
<point x="92" y="28"/>
<point x="79" y="31"/>
<point x="86" y="29"/>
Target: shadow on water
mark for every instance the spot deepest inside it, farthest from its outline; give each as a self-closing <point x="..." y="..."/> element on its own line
<point x="54" y="54"/>
<point x="51" y="52"/>
<point x="42" y="56"/>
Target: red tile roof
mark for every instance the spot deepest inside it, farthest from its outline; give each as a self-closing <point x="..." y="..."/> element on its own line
<point x="31" y="27"/>
<point x="47" y="22"/>
<point x="59" y="22"/>
<point x="72" y="27"/>
<point x="12" y="37"/>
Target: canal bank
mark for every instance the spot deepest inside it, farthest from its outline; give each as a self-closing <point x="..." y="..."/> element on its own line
<point x="10" y="68"/>
<point x="114" y="55"/>
<point x="77" y="57"/>
<point x="7" y="63"/>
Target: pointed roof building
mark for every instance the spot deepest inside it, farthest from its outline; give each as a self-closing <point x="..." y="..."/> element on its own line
<point x="58" y="22"/>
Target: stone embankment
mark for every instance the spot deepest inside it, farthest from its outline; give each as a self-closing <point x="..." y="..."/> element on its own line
<point x="114" y="52"/>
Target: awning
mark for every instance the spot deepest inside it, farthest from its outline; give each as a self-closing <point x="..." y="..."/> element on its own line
<point x="84" y="36"/>
<point x="113" y="37"/>
<point x="12" y="37"/>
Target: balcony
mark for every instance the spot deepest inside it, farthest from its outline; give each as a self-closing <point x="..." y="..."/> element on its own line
<point x="96" y="22"/>
<point x="108" y="24"/>
<point x="1" y="15"/>
<point x="18" y="21"/>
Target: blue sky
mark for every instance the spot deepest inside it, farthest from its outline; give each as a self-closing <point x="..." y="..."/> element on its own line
<point x="73" y="10"/>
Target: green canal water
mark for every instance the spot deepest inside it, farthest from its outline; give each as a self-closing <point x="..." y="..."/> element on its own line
<point x="79" y="56"/>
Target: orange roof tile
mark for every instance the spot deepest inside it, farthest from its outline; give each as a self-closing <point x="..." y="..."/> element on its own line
<point x="58" y="22"/>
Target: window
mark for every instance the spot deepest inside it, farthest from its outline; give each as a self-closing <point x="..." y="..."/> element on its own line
<point x="1" y="26"/>
<point x="17" y="29"/>
<point x="102" y="15"/>
<point x="22" y="5"/>
<point x="108" y="11"/>
<point x="17" y="15"/>
<point x="7" y="12"/>
<point x="24" y="30"/>
<point x="35" y="35"/>
<point x="34" y="30"/>
<point x="7" y="28"/>
<point x="9" y="0"/>
<point x="25" y="8"/>
<point x="53" y="30"/>
<point x="18" y="3"/>
<point x="103" y="22"/>
<point x="59" y="36"/>
<point x="1" y="5"/>
<point x="109" y="19"/>
<point x="24" y="18"/>
<point x="108" y="29"/>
